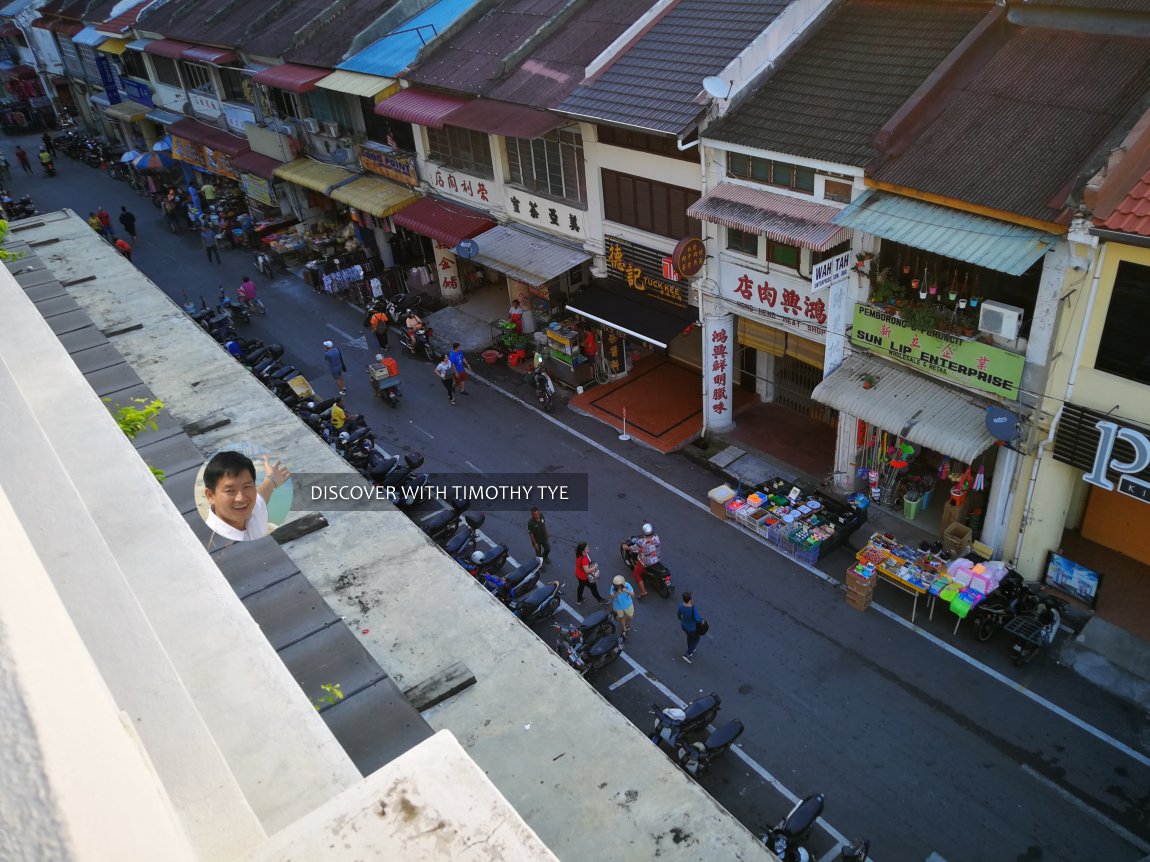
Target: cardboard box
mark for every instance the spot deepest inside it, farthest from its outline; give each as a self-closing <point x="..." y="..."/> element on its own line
<point x="956" y="538"/>
<point x="859" y="603"/>
<point x="719" y="498"/>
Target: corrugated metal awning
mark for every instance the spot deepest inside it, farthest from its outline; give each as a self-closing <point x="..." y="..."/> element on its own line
<point x="503" y="118"/>
<point x="113" y="46"/>
<point x="127" y="110"/>
<point x="317" y="176"/>
<point x="164" y="118"/>
<point x="525" y="256"/>
<point x="910" y="404"/>
<point x="378" y="197"/>
<point x="140" y="44"/>
<point x="356" y="84"/>
<point x="290" y="77"/>
<point x="173" y="49"/>
<point x="208" y="54"/>
<point x="89" y="36"/>
<point x="446" y="222"/>
<point x="778" y="217"/>
<point x="254" y="163"/>
<point x="952" y="233"/>
<point x="422" y="107"/>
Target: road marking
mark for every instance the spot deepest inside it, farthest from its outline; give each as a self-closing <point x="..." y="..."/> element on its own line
<point x="1118" y="745"/>
<point x="1125" y="834"/>
<point x="359" y="342"/>
<point x="623" y="680"/>
<point x="421" y="431"/>
<point x="473" y="467"/>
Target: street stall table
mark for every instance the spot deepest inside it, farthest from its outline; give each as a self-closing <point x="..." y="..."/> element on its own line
<point x="911" y="570"/>
<point x="802" y="523"/>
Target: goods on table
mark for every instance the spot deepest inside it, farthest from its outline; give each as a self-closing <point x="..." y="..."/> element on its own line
<point x="802" y="524"/>
<point x="917" y="568"/>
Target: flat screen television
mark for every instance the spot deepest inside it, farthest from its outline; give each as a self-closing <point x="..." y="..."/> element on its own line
<point x="1072" y="578"/>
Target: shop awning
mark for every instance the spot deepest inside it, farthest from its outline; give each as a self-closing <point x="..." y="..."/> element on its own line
<point x="290" y="77"/>
<point x="784" y="219"/>
<point x="910" y="404"/>
<point x="422" y="107"/>
<point x="209" y="136"/>
<point x="113" y="46"/>
<point x="952" y="233"/>
<point x="9" y="30"/>
<point x="65" y="29"/>
<point x="378" y="197"/>
<point x="445" y="222"/>
<point x="254" y="163"/>
<point x="11" y="10"/>
<point x="170" y="48"/>
<point x="317" y="176"/>
<point x="20" y="70"/>
<point x="207" y="54"/>
<point x="356" y="84"/>
<point x="127" y="110"/>
<point x="164" y="118"/>
<point x="631" y="312"/>
<point x="525" y="256"/>
<point x="89" y="36"/>
<point x="503" y="118"/>
<point x="140" y="44"/>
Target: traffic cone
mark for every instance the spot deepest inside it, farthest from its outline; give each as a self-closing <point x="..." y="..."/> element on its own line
<point x="103" y="165"/>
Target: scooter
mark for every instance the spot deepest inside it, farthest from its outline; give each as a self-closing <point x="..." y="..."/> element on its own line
<point x="49" y="168"/>
<point x="418" y="341"/>
<point x="697" y="757"/>
<point x="399" y="473"/>
<point x="445" y="522"/>
<point x="538" y="605"/>
<point x="1011" y="598"/>
<point x="234" y="308"/>
<point x="481" y="563"/>
<point x="787" y="838"/>
<point x="1036" y="628"/>
<point x="518" y="583"/>
<point x="469" y="536"/>
<point x="591" y="646"/>
<point x="544" y="390"/>
<point x="401" y="304"/>
<point x="18" y="208"/>
<point x="264" y="264"/>
<point x="672" y="722"/>
<point x="657" y="574"/>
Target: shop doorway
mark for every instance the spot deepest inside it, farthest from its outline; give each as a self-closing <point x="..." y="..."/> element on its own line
<point x="794" y="383"/>
<point x="748" y="362"/>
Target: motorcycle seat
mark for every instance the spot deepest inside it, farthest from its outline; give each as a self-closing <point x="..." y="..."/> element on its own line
<point x="603" y="646"/>
<point x="523" y="572"/>
<point x="594" y="620"/>
<point x="725" y="735"/>
<point x="492" y="554"/>
<point x="439" y="520"/>
<point x="457" y="542"/>
<point x="701" y="706"/>
<point x="537" y="596"/>
<point x="803" y="817"/>
<point x="475" y="520"/>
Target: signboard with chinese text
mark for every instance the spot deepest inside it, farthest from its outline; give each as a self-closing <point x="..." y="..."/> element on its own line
<point x="204" y="104"/>
<point x="613" y="348"/>
<point x="108" y="79"/>
<point x="719" y="368"/>
<point x="831" y="271"/>
<point x="137" y="91"/>
<point x="689" y="256"/>
<point x="542" y="212"/>
<point x="447" y="269"/>
<point x="389" y="163"/>
<point x="462" y="186"/>
<point x="777" y="299"/>
<point x="968" y="363"/>
<point x="185" y="151"/>
<point x="647" y="270"/>
<point x="257" y="188"/>
<point x="218" y="163"/>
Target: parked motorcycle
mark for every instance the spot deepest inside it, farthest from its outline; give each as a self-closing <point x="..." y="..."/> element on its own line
<point x="264" y="264"/>
<point x="518" y="583"/>
<point x="398" y="307"/>
<point x="787" y="838"/>
<point x="697" y="757"/>
<point x="233" y="307"/>
<point x="1008" y="600"/>
<point x="445" y="522"/>
<point x="538" y="605"/>
<point x="544" y="390"/>
<point x="672" y="722"/>
<point x="17" y="208"/>
<point x="399" y="473"/>
<point x="591" y="646"/>
<point x="658" y="575"/>
<point x="1036" y="628"/>
<point x="484" y="562"/>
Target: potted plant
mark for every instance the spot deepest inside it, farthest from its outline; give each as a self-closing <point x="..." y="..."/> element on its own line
<point x="868" y="381"/>
<point x="967" y="324"/>
<point x="921" y="318"/>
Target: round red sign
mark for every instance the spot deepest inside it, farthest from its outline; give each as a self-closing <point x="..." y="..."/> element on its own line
<point x="689" y="256"/>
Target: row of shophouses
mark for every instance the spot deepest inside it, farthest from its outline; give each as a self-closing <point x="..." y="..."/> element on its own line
<point x="910" y="221"/>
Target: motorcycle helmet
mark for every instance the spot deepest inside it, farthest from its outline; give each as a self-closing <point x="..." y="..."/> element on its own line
<point x="619" y="580"/>
<point x="477" y="557"/>
<point x="648" y="529"/>
<point x="674" y="713"/>
<point x="344" y="437"/>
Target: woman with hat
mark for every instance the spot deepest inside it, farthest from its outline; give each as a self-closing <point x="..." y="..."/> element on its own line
<point x="623" y="603"/>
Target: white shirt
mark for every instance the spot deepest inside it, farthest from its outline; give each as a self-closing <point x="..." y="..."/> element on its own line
<point x="257" y="526"/>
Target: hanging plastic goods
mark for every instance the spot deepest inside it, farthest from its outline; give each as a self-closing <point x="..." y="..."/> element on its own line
<point x="980" y="479"/>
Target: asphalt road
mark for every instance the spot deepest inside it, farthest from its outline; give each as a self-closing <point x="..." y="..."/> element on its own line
<point x="930" y="744"/>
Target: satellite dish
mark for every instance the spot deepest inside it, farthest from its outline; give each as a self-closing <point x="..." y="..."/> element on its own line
<point x="1002" y="424"/>
<point x="468" y="249"/>
<point x="718" y="87"/>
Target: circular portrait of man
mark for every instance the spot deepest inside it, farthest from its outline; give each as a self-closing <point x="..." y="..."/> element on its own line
<point x="242" y="494"/>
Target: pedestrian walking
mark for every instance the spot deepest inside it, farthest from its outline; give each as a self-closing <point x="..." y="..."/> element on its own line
<point x="22" y="157"/>
<point x="587" y="573"/>
<point x="208" y="238"/>
<point x="124" y="249"/>
<point x="95" y="224"/>
<point x="49" y="144"/>
<point x="335" y="365"/>
<point x="106" y="223"/>
<point x="5" y="168"/>
<point x="623" y="603"/>
<point x="537" y="530"/>
<point x="128" y="222"/>
<point x="446" y="374"/>
<point x="460" y="367"/>
<point x="171" y="213"/>
<point x="692" y="624"/>
<point x="377" y="319"/>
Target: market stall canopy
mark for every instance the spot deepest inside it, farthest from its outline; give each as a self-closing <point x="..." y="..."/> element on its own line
<point x="209" y="136"/>
<point x="525" y="256"/>
<point x="627" y="310"/>
<point x="445" y="222"/>
<point x="356" y="84"/>
<point x="503" y="118"/>
<point x="170" y="48"/>
<point x="254" y="163"/>
<point x="780" y="218"/>
<point x="905" y="402"/>
<point x="317" y="176"/>
<point x="952" y="233"/>
<point x="378" y="197"/>
<point x="290" y="77"/>
<point x="213" y="56"/>
<point x="421" y="107"/>
<point x="127" y="110"/>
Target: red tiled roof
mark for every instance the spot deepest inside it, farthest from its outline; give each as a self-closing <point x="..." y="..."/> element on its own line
<point x="1133" y="214"/>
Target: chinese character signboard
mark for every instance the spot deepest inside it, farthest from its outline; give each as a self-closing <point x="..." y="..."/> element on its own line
<point x="689" y="256"/>
<point x="447" y="269"/>
<point x="969" y="363"/>
<point x="218" y="163"/>
<point x="185" y="151"/>
<point x="204" y="104"/>
<point x="543" y="213"/>
<point x="108" y="79"/>
<point x="831" y="271"/>
<point x="646" y="270"/>
<point x="389" y="163"/>
<point x="719" y="367"/>
<point x="463" y="186"/>
<point x="780" y="300"/>
<point x="613" y="347"/>
<point x="137" y="91"/>
<point x="238" y="117"/>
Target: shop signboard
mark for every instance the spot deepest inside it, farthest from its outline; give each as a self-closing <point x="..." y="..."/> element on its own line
<point x="776" y="299"/>
<point x="185" y="151"/>
<point x="218" y="163"/>
<point x="237" y="116"/>
<point x="389" y="163"/>
<point x="831" y="271"/>
<point x="447" y="268"/>
<point x="259" y="189"/>
<point x="137" y="91"/>
<point x="689" y="256"/>
<point x="1129" y="483"/>
<point x="462" y="186"/>
<point x="108" y="79"/>
<point x="970" y="363"/>
<point x="718" y="342"/>
<point x="544" y="213"/>
<point x="204" y="104"/>
<point x="647" y="270"/>
<point x="613" y="348"/>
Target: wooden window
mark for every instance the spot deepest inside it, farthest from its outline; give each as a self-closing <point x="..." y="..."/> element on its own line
<point x="551" y="165"/>
<point x="460" y="150"/>
<point x="837" y="191"/>
<point x="1124" y="350"/>
<point x="743" y="242"/>
<point x="648" y="205"/>
<point x="770" y="172"/>
<point x="783" y="255"/>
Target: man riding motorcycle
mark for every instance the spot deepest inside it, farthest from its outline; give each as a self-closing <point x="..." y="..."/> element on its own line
<point x="647" y="547"/>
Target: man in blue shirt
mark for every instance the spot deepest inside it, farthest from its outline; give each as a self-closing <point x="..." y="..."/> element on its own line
<point x="335" y="364"/>
<point x="689" y="620"/>
<point x="460" y="366"/>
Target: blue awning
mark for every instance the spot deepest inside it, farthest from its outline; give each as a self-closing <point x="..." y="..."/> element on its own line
<point x="13" y="9"/>
<point x="139" y="44"/>
<point x="88" y="36"/>
<point x="982" y="241"/>
<point x="164" y="118"/>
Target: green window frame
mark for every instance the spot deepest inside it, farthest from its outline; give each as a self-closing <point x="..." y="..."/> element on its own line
<point x="743" y="241"/>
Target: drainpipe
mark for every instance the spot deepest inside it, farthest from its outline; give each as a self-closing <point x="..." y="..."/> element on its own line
<point x="679" y="143"/>
<point x="1065" y="398"/>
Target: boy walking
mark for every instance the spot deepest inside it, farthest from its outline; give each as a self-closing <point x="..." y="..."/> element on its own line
<point x="446" y="374"/>
<point x="208" y="238"/>
<point x="460" y="366"/>
<point x="689" y="621"/>
<point x="537" y="530"/>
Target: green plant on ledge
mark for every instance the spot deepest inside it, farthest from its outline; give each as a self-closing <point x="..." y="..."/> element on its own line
<point x="134" y="420"/>
<point x="921" y="318"/>
<point x="885" y="290"/>
<point x="6" y="255"/>
<point x="333" y="695"/>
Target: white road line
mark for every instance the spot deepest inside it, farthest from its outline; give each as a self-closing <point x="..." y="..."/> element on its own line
<point x="623" y="680"/>
<point x="1125" y="834"/>
<point x="954" y="651"/>
<point x="473" y="467"/>
<point x="359" y="341"/>
<point x="421" y="431"/>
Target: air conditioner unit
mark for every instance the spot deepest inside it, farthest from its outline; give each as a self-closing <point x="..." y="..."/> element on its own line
<point x="1000" y="319"/>
<point x="332" y="130"/>
<point x="311" y="124"/>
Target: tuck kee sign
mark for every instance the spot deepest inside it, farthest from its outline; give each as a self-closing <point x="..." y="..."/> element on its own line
<point x="1128" y="483"/>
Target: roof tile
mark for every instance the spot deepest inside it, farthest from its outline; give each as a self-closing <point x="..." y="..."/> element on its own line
<point x="1132" y="215"/>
